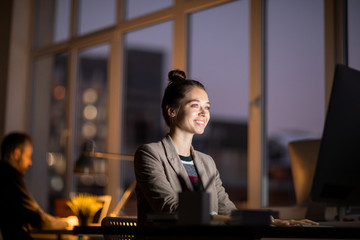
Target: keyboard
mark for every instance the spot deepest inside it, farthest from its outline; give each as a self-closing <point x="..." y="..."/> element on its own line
<point x="336" y="224"/>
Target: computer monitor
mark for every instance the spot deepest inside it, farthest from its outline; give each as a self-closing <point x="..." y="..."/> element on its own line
<point x="336" y="180"/>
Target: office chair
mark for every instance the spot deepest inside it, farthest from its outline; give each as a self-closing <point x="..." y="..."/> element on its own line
<point x="303" y="157"/>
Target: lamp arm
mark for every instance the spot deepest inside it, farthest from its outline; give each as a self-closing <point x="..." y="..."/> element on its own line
<point x="110" y="156"/>
<point x="123" y="200"/>
<point x="130" y="189"/>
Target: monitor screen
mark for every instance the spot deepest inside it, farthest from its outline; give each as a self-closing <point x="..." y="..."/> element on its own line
<point x="337" y="175"/>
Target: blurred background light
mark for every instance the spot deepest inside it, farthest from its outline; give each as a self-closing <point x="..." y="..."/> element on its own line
<point x="90" y="112"/>
<point x="89" y="130"/>
<point x="90" y="96"/>
<point x="59" y="92"/>
<point x="57" y="183"/>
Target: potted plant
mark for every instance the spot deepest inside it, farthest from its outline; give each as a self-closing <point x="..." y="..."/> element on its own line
<point x="84" y="206"/>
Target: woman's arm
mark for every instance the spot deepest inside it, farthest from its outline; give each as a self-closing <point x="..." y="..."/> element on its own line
<point x="153" y="182"/>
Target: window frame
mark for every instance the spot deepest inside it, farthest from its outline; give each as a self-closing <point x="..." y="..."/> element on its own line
<point x="114" y="35"/>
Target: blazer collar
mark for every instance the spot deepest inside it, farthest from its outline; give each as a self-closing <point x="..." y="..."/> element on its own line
<point x="199" y="163"/>
<point x="175" y="162"/>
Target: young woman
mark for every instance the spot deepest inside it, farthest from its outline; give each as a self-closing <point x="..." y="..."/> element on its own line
<point x="163" y="168"/>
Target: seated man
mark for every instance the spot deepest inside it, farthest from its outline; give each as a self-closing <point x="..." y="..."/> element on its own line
<point x="18" y="210"/>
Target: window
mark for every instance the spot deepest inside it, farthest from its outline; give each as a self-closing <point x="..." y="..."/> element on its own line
<point x="92" y="111"/>
<point x="147" y="53"/>
<point x="95" y="15"/>
<point x="147" y="56"/>
<point x="49" y="127"/>
<point x="137" y="8"/>
<point x="218" y="58"/>
<point x="295" y="83"/>
<point x="354" y="34"/>
<point x="51" y="22"/>
<point x="79" y="54"/>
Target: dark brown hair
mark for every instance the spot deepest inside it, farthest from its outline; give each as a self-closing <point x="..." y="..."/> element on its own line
<point x="176" y="90"/>
<point x="12" y="141"/>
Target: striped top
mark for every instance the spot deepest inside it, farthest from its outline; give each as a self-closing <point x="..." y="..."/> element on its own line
<point x="190" y="168"/>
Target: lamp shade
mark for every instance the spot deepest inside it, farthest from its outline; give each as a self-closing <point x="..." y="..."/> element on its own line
<point x="85" y="162"/>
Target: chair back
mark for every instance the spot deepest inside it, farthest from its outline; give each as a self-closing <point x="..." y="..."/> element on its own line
<point x="303" y="157"/>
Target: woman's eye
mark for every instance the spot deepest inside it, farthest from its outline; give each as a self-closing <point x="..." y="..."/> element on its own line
<point x="207" y="107"/>
<point x="194" y="105"/>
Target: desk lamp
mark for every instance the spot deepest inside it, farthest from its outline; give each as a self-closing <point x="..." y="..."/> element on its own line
<point x="85" y="162"/>
<point x="85" y="165"/>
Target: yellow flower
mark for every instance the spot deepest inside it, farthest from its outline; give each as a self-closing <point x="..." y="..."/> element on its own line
<point x="84" y="204"/>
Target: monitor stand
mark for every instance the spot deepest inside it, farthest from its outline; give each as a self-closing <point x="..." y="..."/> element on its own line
<point x="344" y="216"/>
<point x="316" y="211"/>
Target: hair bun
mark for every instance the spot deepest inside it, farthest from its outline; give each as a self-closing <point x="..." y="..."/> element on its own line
<point x="176" y="75"/>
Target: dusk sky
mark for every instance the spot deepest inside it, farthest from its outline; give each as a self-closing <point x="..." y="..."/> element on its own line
<point x="219" y="55"/>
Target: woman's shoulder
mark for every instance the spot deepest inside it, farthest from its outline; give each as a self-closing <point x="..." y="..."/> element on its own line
<point x="150" y="152"/>
<point x="164" y="143"/>
<point x="149" y="146"/>
<point x="156" y="147"/>
<point x="202" y="155"/>
<point x="205" y="160"/>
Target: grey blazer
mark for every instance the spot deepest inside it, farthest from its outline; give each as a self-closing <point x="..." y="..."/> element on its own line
<point x="157" y="166"/>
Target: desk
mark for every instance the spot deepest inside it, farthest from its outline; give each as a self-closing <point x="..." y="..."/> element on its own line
<point x="64" y="234"/>
<point x="220" y="232"/>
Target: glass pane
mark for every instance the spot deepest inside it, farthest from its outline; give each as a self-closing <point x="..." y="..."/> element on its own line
<point x="49" y="129"/>
<point x="95" y="15"/>
<point x="52" y="21"/>
<point x="148" y="54"/>
<point x="137" y="8"/>
<point x="62" y="20"/>
<point x="219" y="58"/>
<point x="354" y="33"/>
<point x="295" y="86"/>
<point x="58" y="135"/>
<point x="91" y="112"/>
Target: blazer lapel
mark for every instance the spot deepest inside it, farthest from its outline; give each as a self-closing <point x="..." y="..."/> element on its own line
<point x="175" y="161"/>
<point x="200" y="168"/>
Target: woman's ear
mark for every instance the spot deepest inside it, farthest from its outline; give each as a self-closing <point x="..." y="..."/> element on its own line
<point x="171" y="112"/>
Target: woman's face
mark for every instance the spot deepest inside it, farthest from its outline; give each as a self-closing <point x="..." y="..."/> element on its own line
<point x="194" y="112"/>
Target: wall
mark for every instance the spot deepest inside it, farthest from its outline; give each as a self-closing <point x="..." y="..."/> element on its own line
<point x="17" y="104"/>
<point x="5" y="21"/>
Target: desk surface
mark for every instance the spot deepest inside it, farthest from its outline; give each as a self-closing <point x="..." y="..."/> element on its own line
<point x="246" y="232"/>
